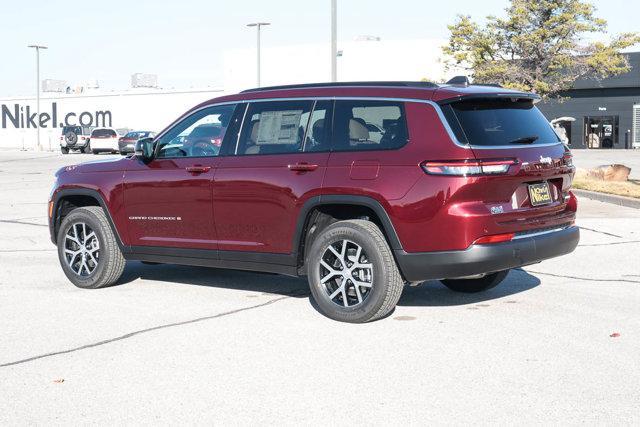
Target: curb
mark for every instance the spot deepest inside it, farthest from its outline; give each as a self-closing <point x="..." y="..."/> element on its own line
<point x="628" y="202"/>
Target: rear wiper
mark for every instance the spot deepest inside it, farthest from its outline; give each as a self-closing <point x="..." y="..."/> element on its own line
<point x="524" y="140"/>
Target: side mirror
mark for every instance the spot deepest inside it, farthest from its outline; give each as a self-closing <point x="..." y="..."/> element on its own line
<point x="144" y="149"/>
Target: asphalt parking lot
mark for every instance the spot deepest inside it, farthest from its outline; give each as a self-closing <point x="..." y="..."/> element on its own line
<point x="192" y="345"/>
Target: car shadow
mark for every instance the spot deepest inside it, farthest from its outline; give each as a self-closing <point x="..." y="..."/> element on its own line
<point x="430" y="293"/>
<point x="216" y="278"/>
<point x="433" y="293"/>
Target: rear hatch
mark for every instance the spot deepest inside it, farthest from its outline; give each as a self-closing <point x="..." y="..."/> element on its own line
<point x="532" y="191"/>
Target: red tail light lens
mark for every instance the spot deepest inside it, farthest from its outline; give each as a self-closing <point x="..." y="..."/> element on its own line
<point x="496" y="238"/>
<point x="469" y="167"/>
<point x="567" y="158"/>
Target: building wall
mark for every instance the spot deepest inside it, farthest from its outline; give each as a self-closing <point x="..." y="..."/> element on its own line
<point x="146" y="109"/>
<point x="580" y="107"/>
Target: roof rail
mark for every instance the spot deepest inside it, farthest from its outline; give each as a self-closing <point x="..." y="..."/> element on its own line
<point x="423" y="85"/>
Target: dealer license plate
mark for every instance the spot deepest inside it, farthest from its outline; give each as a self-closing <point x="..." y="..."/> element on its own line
<point x="539" y="194"/>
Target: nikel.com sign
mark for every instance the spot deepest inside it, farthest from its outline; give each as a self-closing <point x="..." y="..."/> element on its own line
<point x="24" y="117"/>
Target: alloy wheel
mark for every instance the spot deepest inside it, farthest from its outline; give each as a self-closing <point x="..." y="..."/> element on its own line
<point x="346" y="273"/>
<point x="81" y="249"/>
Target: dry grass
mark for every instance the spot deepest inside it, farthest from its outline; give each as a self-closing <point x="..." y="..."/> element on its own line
<point x="629" y="188"/>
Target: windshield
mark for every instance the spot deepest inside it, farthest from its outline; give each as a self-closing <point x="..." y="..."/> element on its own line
<point x="499" y="122"/>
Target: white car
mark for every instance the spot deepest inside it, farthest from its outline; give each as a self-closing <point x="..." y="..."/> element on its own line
<point x="104" y="140"/>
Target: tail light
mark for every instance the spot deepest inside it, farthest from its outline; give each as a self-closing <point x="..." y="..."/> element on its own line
<point x="468" y="167"/>
<point x="83" y="138"/>
<point x="217" y="142"/>
<point x="495" y="238"/>
<point x="567" y="158"/>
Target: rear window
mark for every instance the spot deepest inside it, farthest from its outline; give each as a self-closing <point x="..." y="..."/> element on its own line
<point x="103" y="133"/>
<point x="211" y="130"/>
<point x="369" y="125"/>
<point x="138" y="135"/>
<point x="75" y="129"/>
<point x="499" y="122"/>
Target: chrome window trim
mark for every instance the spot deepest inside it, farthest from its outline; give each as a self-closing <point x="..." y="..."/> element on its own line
<point x="433" y="104"/>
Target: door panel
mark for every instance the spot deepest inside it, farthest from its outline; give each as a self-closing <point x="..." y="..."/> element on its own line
<point x="166" y="205"/>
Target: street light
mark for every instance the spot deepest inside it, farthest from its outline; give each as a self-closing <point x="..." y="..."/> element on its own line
<point x="258" y="25"/>
<point x="334" y="40"/>
<point x="37" y="48"/>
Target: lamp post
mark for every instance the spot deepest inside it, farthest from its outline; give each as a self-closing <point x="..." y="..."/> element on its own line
<point x="38" y="48"/>
<point x="334" y="40"/>
<point x="258" y="25"/>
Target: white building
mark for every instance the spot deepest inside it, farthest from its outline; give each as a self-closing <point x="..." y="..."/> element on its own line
<point x="138" y="109"/>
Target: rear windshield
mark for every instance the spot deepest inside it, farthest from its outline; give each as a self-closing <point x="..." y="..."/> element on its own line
<point x="137" y="135"/>
<point x="103" y="133"/>
<point x="499" y="122"/>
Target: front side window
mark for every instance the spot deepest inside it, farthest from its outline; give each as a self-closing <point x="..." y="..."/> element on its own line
<point x="369" y="125"/>
<point x="274" y="127"/>
<point x="199" y="135"/>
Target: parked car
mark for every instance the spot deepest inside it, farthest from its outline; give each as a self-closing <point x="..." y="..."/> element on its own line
<point x="459" y="184"/>
<point x="104" y="140"/>
<point x="75" y="138"/>
<point x="127" y="143"/>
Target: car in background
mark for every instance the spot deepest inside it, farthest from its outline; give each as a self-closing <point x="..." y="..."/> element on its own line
<point x="104" y="140"/>
<point x="75" y="138"/>
<point x="205" y="138"/>
<point x="127" y="143"/>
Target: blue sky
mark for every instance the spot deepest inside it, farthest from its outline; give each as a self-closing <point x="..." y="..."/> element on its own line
<point x="183" y="41"/>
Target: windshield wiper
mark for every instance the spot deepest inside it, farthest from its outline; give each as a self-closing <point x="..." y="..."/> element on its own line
<point x="525" y="140"/>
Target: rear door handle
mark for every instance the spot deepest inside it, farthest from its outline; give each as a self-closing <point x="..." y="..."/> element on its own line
<point x="198" y="169"/>
<point x="302" y="167"/>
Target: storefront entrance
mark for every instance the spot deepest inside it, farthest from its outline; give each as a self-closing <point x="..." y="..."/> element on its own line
<point x="601" y="131"/>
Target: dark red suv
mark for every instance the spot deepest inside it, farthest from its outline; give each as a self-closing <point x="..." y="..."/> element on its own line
<point x="361" y="187"/>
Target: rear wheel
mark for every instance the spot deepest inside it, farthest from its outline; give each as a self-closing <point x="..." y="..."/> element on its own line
<point x="64" y="150"/>
<point x="352" y="274"/>
<point x="88" y="250"/>
<point x="471" y="286"/>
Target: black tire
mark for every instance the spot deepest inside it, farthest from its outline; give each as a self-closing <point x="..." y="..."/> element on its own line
<point x="86" y="149"/>
<point x="110" y="262"/>
<point x="380" y="298"/>
<point x="472" y="286"/>
<point x="64" y="150"/>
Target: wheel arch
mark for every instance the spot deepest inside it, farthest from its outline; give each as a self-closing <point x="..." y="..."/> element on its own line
<point x="65" y="200"/>
<point x="357" y="205"/>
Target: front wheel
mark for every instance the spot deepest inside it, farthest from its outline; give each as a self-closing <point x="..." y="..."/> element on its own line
<point x="87" y="248"/>
<point x="352" y="273"/>
<point x="472" y="286"/>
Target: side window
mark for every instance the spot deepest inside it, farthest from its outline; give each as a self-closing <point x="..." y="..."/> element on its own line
<point x="199" y="135"/>
<point x="274" y="127"/>
<point x="369" y="125"/>
<point x="319" y="129"/>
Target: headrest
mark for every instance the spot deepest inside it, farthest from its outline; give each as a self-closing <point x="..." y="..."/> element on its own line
<point x="318" y="129"/>
<point x="357" y="131"/>
<point x="255" y="127"/>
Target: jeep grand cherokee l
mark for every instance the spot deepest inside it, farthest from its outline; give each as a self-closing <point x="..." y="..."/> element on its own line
<point x="456" y="183"/>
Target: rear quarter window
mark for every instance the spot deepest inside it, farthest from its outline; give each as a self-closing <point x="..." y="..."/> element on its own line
<point x="498" y="122"/>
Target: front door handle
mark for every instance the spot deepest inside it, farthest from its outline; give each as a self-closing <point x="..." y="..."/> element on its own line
<point x="302" y="167"/>
<point x="196" y="169"/>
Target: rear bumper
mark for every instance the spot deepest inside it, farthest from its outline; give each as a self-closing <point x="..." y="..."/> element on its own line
<point x="478" y="259"/>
